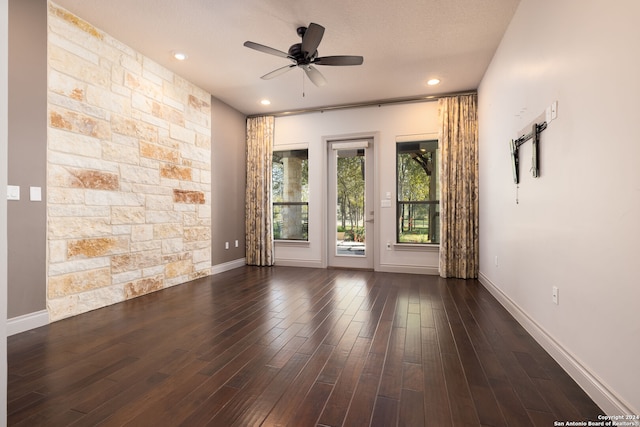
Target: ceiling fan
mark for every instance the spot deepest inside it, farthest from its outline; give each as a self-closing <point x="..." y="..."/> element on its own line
<point x="305" y="55"/>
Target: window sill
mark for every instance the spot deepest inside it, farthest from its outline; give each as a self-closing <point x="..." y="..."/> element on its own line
<point x="292" y="243"/>
<point x="430" y="247"/>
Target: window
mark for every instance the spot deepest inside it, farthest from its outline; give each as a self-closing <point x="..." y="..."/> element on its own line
<point x="417" y="207"/>
<point x="290" y="194"/>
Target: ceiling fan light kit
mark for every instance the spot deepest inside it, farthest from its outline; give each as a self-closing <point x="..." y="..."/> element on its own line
<point x="304" y="55"/>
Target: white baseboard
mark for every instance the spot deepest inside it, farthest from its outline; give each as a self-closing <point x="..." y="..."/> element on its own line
<point x="599" y="392"/>
<point x="411" y="269"/>
<point x="221" y="268"/>
<point x="26" y="322"/>
<point x="298" y="263"/>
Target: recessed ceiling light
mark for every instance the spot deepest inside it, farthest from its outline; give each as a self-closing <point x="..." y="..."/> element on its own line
<point x="265" y="102"/>
<point x="180" y="56"/>
<point x="433" y="82"/>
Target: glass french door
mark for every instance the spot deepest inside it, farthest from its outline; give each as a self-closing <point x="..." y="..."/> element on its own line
<point x="350" y="229"/>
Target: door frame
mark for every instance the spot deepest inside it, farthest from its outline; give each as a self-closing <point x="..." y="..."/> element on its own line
<point x="374" y="137"/>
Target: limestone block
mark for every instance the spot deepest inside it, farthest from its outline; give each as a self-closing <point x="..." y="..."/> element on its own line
<point x="178" y="268"/>
<point x="81" y="162"/>
<point x="66" y="62"/>
<point x="141" y="233"/>
<point x="61" y="308"/>
<point x="158" y="152"/>
<point x="196" y="154"/>
<point x="72" y="19"/>
<point x="77" y="265"/>
<point x="120" y="153"/>
<point x="57" y="251"/>
<point x="167" y="231"/>
<point x="93" y="179"/>
<point x="172" y="246"/>
<point x="182" y="134"/>
<point x="64" y="196"/>
<point x="159" y="202"/>
<point x="158" y="270"/>
<point x="163" y="217"/>
<point x="176" y="172"/>
<point x="125" y="277"/>
<point x="168" y="113"/>
<point x="79" y="123"/>
<point x="151" y="190"/>
<point x="202" y="270"/>
<point x="121" y="230"/>
<point x="127" y="215"/>
<point x="148" y="245"/>
<point x="202" y="255"/>
<point x="91" y="248"/>
<point x="139" y="84"/>
<point x="193" y="234"/>
<point x="77" y="282"/>
<point x="174" y="103"/>
<point x="135" y="261"/>
<point x="185" y="196"/>
<point x="65" y="228"/>
<point x="130" y="127"/>
<point x="78" y="210"/>
<point x="103" y="198"/>
<point x="65" y="85"/>
<point x="101" y="97"/>
<point x="68" y="142"/>
<point x="142" y="286"/>
<point x="139" y="175"/>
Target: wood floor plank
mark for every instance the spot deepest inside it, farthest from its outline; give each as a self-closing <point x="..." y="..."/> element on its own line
<point x="292" y="346"/>
<point x="342" y="394"/>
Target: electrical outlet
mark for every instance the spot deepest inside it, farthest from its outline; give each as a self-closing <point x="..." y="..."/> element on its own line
<point x="554" y="110"/>
<point x="554" y="294"/>
<point x="13" y="192"/>
<point x="236" y="243"/>
<point x="496" y="260"/>
<point x="226" y="245"/>
<point x="388" y="246"/>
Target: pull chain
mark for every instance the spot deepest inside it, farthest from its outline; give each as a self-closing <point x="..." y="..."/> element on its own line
<point x="303" y="84"/>
<point x="517" y="197"/>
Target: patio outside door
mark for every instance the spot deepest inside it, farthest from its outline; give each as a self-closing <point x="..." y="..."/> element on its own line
<point x="350" y="217"/>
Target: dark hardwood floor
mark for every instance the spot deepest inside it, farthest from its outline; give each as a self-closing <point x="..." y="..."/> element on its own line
<point x="292" y="346"/>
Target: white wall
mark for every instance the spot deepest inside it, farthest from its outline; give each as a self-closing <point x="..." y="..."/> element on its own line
<point x="4" y="122"/>
<point x="576" y="227"/>
<point x="385" y="123"/>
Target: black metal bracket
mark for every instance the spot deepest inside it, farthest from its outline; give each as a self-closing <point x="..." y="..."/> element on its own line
<point x="515" y="147"/>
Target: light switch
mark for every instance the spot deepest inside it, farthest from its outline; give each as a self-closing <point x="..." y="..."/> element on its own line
<point x="13" y="192"/>
<point x="35" y="194"/>
<point x="385" y="203"/>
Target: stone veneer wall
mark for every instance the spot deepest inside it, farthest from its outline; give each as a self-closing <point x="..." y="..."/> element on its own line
<point x="129" y="172"/>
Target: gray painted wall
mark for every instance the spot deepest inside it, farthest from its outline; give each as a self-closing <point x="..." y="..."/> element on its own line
<point x="4" y="121"/>
<point x="26" y="235"/>
<point x="228" y="171"/>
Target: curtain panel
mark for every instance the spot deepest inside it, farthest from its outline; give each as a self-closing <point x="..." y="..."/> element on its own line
<point x="258" y="210"/>
<point x="459" y="186"/>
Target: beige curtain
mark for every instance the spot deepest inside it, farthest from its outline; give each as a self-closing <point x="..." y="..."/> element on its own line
<point x="459" y="186"/>
<point x="258" y="211"/>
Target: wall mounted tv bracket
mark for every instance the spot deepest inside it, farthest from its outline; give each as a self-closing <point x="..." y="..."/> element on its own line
<point x="515" y="146"/>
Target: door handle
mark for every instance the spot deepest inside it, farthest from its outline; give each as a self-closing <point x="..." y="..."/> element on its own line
<point x="368" y="220"/>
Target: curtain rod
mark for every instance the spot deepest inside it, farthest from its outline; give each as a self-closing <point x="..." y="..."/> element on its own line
<point x="365" y="104"/>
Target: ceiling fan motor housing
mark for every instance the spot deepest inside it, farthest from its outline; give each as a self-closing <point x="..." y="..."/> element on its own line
<point x="295" y="51"/>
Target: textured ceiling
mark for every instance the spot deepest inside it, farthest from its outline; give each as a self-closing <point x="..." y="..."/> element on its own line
<point x="404" y="44"/>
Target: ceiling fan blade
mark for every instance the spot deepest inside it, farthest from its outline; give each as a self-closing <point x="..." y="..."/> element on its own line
<point x="279" y="71"/>
<point x="315" y="76"/>
<point x="312" y="38"/>
<point x="267" y="49"/>
<point x="339" y="60"/>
